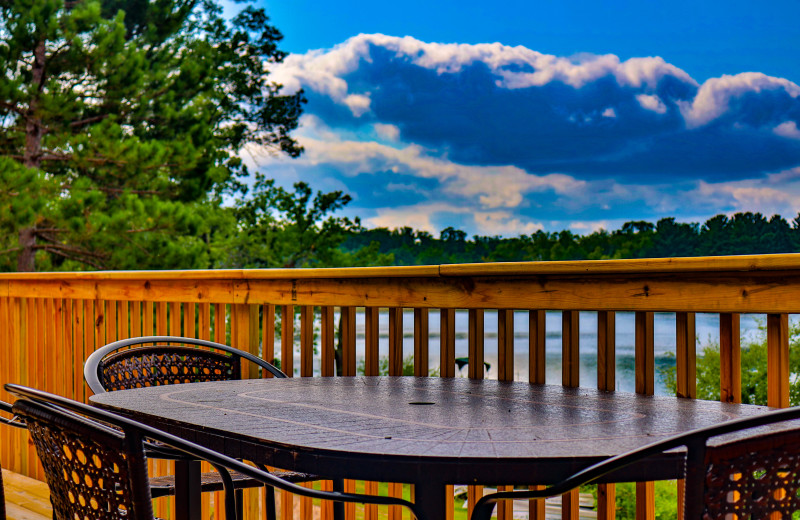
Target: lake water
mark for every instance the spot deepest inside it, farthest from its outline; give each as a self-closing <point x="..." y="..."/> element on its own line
<point x="707" y="328"/>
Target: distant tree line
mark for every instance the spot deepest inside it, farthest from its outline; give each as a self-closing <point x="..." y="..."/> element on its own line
<point x="742" y="233"/>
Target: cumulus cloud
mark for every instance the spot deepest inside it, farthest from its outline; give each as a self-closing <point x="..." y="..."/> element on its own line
<point x="586" y="116"/>
<point x="505" y="140"/>
<point x="651" y="103"/>
<point x="716" y="95"/>
<point x="788" y="129"/>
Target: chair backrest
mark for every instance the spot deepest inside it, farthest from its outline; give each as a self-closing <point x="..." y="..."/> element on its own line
<point x="753" y="477"/>
<point x="95" y="462"/>
<point x="165" y="360"/>
<point x="92" y="470"/>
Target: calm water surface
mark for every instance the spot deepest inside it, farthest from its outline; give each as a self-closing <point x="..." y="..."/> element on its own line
<point x="707" y="326"/>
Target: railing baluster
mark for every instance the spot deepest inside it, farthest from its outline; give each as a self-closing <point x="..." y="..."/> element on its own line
<point x="371" y="339"/>
<point x="348" y="341"/>
<point x="136" y="319"/>
<point x="505" y="345"/>
<point x="570" y="376"/>
<point x="174" y="319"/>
<point x="606" y="380"/>
<point x="219" y="323"/>
<point x="476" y="344"/>
<point x="447" y="343"/>
<point x="686" y="352"/>
<point x="421" y="342"/>
<point x="111" y="322"/>
<point x="537" y="334"/>
<point x="204" y="321"/>
<point x="189" y="318"/>
<point x="287" y="339"/>
<point x="778" y="360"/>
<point x="327" y="342"/>
<point x="645" y="381"/>
<point x="307" y="341"/>
<point x="395" y="341"/>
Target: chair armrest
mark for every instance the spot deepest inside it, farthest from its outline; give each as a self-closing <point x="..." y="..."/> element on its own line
<point x="218" y="460"/>
<point x="692" y="440"/>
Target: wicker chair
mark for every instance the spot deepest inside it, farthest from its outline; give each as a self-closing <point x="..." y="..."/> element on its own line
<point x="5" y="407"/>
<point x="168" y="360"/>
<point x="745" y="477"/>
<point x="95" y="461"/>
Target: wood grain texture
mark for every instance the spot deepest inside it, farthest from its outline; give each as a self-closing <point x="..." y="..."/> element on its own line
<point x="475" y="343"/>
<point x="287" y="339"/>
<point x="686" y="354"/>
<point x="505" y="345"/>
<point x="757" y="291"/>
<point x="371" y="340"/>
<point x="537" y="335"/>
<point x="570" y="348"/>
<point x="606" y="350"/>
<point x="421" y="342"/>
<point x="395" y="341"/>
<point x="447" y="342"/>
<point x="778" y="360"/>
<point x="730" y="376"/>
<point x="644" y="353"/>
<point x="327" y="339"/>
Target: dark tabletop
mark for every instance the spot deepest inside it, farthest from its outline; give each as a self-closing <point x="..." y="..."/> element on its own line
<point x="419" y="429"/>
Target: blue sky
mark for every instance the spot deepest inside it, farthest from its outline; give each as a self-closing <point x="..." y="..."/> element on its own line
<point x="505" y="118"/>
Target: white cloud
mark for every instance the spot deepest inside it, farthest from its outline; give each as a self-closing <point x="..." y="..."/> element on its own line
<point x="416" y="217"/>
<point x="788" y="129"/>
<point x="504" y="223"/>
<point x="713" y="98"/>
<point x="490" y="186"/>
<point x="609" y="112"/>
<point x="653" y="103"/>
<point x="588" y="227"/>
<point x="387" y="132"/>
<point x="777" y="193"/>
<point x="516" y="67"/>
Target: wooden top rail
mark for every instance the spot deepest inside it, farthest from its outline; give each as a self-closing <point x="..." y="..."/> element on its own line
<point x="574" y="267"/>
<point x="752" y="283"/>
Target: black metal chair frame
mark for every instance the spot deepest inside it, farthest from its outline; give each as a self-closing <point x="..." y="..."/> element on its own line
<point x="69" y="411"/>
<point x="225" y="359"/>
<point x="695" y="442"/>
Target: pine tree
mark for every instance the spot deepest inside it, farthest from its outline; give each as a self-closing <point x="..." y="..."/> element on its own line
<point x="120" y="127"/>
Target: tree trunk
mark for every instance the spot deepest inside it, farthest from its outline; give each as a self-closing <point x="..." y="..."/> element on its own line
<point x="32" y="158"/>
<point x="27" y="240"/>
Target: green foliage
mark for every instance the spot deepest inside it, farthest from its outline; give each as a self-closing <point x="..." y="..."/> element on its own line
<point x="383" y="367"/>
<point x="666" y="499"/>
<point x="127" y="118"/>
<point x="743" y="233"/>
<point x="273" y="227"/>
<point x="754" y="370"/>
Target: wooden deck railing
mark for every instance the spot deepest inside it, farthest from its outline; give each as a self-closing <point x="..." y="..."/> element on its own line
<point x="50" y="322"/>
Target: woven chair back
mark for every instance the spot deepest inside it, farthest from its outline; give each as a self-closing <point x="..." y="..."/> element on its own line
<point x="93" y="471"/>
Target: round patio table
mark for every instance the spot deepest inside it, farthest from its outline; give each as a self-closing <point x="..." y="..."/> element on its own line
<point x="429" y="432"/>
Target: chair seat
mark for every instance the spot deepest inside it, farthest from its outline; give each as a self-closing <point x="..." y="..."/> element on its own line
<point x="211" y="481"/>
